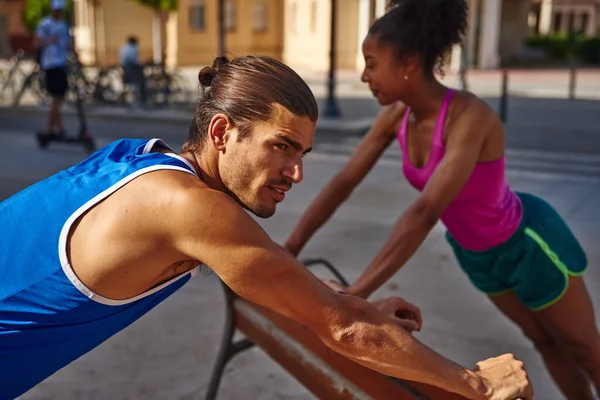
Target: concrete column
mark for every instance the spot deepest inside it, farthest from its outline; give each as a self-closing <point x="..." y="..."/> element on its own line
<point x="84" y="31"/>
<point x="455" y="57"/>
<point x="172" y="38"/>
<point x="100" y="34"/>
<point x="471" y="38"/>
<point x="545" y="17"/>
<point x="363" y="29"/>
<point x="380" y="7"/>
<point x="489" y="56"/>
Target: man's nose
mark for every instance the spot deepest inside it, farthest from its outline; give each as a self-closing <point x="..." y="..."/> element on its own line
<point x="294" y="172"/>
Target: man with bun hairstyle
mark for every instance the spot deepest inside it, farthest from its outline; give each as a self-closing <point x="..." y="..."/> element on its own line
<point x="88" y="251"/>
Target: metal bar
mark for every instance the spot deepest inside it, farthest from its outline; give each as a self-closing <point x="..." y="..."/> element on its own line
<point x="331" y="106"/>
<point x="327" y="374"/>
<point x="503" y="111"/>
<point x="316" y="261"/>
<point x="572" y="82"/>
<point x="302" y="360"/>
<point x="228" y="347"/>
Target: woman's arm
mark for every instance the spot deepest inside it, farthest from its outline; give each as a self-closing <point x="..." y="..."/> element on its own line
<point x="341" y="186"/>
<point x="463" y="149"/>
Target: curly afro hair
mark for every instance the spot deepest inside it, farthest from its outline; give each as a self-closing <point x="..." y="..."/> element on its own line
<point x="427" y="28"/>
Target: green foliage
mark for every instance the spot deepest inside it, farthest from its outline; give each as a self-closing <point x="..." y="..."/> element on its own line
<point x="165" y="5"/>
<point x="36" y="10"/>
<point x="589" y="50"/>
<point x="558" y="46"/>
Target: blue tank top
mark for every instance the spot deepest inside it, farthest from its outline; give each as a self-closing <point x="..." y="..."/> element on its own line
<point x="48" y="317"/>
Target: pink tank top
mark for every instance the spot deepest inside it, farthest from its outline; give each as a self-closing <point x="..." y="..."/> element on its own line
<point x="486" y="212"/>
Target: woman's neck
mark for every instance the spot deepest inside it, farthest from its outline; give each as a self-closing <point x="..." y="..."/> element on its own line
<point x="425" y="98"/>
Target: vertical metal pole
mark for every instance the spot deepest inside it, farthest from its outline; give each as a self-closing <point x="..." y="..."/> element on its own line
<point x="572" y="82"/>
<point x="70" y="17"/>
<point x="504" y="97"/>
<point x="331" y="107"/>
<point x="572" y="63"/>
<point x="463" y="67"/>
<point x="221" y="5"/>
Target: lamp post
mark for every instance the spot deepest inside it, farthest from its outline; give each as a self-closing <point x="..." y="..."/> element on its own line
<point x="221" y="27"/>
<point x="331" y="107"/>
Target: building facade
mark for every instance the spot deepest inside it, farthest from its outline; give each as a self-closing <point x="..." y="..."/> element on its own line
<point x="563" y="16"/>
<point x="295" y="31"/>
<point x="251" y="27"/>
<point x="13" y="34"/>
<point x="102" y="27"/>
<point x="189" y="34"/>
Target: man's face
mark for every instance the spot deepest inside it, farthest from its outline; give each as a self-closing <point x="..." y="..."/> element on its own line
<point x="257" y="170"/>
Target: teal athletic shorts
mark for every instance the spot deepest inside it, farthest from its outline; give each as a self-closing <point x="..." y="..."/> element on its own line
<point x="535" y="262"/>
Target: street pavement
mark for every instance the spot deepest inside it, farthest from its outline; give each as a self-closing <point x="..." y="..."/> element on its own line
<point x="169" y="353"/>
<point x="553" y="151"/>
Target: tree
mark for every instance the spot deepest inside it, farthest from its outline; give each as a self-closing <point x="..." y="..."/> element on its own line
<point x="36" y="10"/>
<point x="158" y="6"/>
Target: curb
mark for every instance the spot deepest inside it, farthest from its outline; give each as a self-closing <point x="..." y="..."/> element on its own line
<point x="91" y="115"/>
<point x="330" y="125"/>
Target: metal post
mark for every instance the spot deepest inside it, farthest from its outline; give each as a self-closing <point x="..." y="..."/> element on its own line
<point x="572" y="82"/>
<point x="463" y="67"/>
<point x="572" y="63"/>
<point x="70" y="17"/>
<point x="504" y="96"/>
<point x="331" y="107"/>
<point x="221" y="27"/>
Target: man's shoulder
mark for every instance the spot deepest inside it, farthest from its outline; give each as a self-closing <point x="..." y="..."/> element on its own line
<point x="184" y="202"/>
<point x="181" y="189"/>
<point x="195" y="194"/>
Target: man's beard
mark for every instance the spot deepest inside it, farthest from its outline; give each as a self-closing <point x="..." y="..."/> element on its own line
<point x="259" y="210"/>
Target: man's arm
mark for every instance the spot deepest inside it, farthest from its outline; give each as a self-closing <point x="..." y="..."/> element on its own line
<point x="42" y="39"/>
<point x="463" y="148"/>
<point x="210" y="227"/>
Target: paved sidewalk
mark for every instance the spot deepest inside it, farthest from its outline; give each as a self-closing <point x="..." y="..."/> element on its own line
<point x="556" y="125"/>
<point x="169" y="353"/>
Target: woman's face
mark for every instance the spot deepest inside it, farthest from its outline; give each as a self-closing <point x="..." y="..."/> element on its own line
<point x="386" y="77"/>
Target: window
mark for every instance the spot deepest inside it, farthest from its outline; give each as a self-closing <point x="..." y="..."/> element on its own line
<point x="583" y="24"/>
<point x="313" y="16"/>
<point x="230" y="15"/>
<point x="571" y="21"/>
<point x="556" y="25"/>
<point x="197" y="15"/>
<point x="260" y="17"/>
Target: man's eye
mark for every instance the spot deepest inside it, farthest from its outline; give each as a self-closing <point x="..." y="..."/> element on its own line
<point x="281" y="146"/>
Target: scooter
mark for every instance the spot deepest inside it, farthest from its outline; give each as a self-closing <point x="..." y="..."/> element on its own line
<point x="84" y="137"/>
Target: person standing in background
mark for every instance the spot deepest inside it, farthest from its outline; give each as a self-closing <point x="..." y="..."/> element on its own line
<point x="53" y="40"/>
<point x="133" y="71"/>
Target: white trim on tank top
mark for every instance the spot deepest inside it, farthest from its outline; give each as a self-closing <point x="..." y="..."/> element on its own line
<point x="62" y="242"/>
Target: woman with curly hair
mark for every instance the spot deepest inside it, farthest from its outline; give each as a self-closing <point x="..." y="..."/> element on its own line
<point x="513" y="246"/>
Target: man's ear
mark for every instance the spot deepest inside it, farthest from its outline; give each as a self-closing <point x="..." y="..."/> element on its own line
<point x="219" y="131"/>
